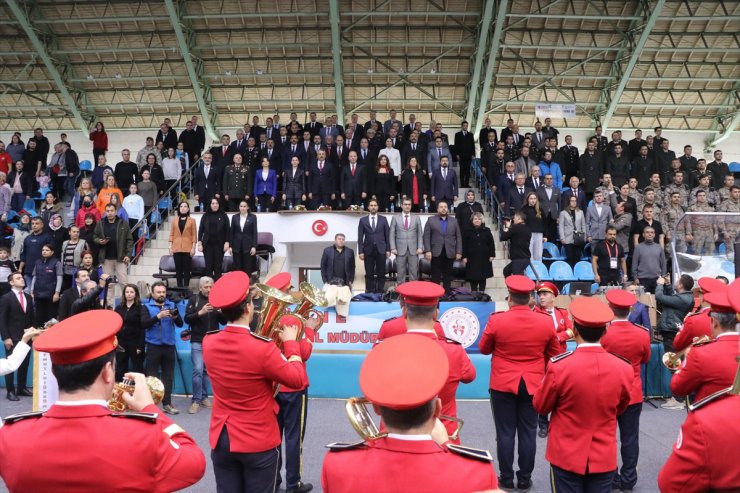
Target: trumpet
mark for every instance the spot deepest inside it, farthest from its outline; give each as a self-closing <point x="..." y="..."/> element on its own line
<point x="116" y="403"/>
<point x="360" y="419"/>
<point x="312" y="297"/>
<point x="672" y="360"/>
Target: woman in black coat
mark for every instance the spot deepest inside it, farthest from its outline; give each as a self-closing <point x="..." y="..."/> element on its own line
<point x="479" y="250"/>
<point x="136" y="320"/>
<point x="213" y="238"/>
<point x="383" y="184"/>
<point x="244" y="239"/>
<point x="413" y="170"/>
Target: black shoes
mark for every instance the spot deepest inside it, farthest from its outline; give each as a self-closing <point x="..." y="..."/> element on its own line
<point x="506" y="485"/>
<point x="542" y="433"/>
<point x="13" y="397"/>
<point x="25" y="392"/>
<point x="300" y="488"/>
<point x="524" y="485"/>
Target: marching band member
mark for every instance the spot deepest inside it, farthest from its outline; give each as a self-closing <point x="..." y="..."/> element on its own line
<point x="403" y="378"/>
<point x="546" y="294"/>
<point x="702" y="458"/>
<point x="709" y="367"/>
<point x="631" y="342"/>
<point x="79" y="445"/>
<point x="699" y="324"/>
<point x="520" y="342"/>
<point x="397" y="325"/>
<point x="244" y="434"/>
<point x="585" y="390"/>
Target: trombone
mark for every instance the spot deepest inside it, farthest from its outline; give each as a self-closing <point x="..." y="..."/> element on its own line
<point x="672" y="360"/>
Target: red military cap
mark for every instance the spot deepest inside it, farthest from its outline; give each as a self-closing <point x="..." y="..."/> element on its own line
<point x="591" y="312"/>
<point x="289" y="319"/>
<point x="280" y="281"/>
<point x="230" y="290"/>
<point x="549" y="287"/>
<point x="733" y="295"/>
<point x="81" y="337"/>
<point x="519" y="284"/>
<point x="404" y="372"/>
<point x="620" y="298"/>
<point x="710" y="284"/>
<point x="720" y="302"/>
<point x="420" y="293"/>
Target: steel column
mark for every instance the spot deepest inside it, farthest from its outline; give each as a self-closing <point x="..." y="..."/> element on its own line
<point x="498" y="29"/>
<point x="336" y="53"/>
<point x="480" y="54"/>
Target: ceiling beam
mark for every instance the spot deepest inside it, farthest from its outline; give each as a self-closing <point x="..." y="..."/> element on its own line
<point x="336" y="54"/>
<point x="480" y="53"/>
<point x="194" y="65"/>
<point x="634" y="57"/>
<point x="493" y="50"/>
<point x="723" y="129"/>
<point x="43" y="41"/>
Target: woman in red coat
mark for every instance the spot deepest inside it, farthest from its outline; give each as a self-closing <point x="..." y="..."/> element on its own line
<point x="100" y="140"/>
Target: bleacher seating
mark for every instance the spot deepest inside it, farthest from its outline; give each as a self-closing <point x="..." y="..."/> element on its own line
<point x="561" y="271"/>
<point x="583" y="271"/>
<point x="540" y="269"/>
<point x="553" y="250"/>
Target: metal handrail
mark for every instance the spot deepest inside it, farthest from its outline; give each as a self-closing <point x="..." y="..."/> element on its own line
<point x="484" y="186"/>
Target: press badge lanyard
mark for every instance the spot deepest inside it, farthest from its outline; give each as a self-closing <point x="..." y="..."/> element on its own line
<point x="613" y="260"/>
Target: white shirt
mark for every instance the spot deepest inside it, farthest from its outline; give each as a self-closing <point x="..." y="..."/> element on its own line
<point x="394" y="157"/>
<point x="242" y="221"/>
<point x="134" y="206"/>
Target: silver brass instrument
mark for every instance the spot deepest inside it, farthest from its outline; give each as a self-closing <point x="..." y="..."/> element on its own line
<point x="672" y="360"/>
<point x="362" y="421"/>
<point x="116" y="403"/>
<point x="312" y="298"/>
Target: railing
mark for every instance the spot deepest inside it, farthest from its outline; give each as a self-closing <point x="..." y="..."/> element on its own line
<point x="485" y="189"/>
<point x="713" y="261"/>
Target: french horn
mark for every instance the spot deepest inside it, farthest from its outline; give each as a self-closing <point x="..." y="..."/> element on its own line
<point x="116" y="402"/>
<point x="312" y="297"/>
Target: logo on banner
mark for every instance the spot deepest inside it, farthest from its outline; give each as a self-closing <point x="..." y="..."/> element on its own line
<point x="319" y="227"/>
<point x="461" y="325"/>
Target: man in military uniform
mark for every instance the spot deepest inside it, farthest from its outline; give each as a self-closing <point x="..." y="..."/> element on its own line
<point x="725" y="193"/>
<point x="402" y="378"/>
<point x="648" y="198"/>
<point x="695" y="174"/>
<point x="81" y="445"/>
<point x="520" y="342"/>
<point x="679" y="186"/>
<point x="730" y="226"/>
<point x="631" y="342"/>
<point x="237" y="183"/>
<point x="706" y="188"/>
<point x="670" y="222"/>
<point x="582" y="445"/>
<point x="701" y="231"/>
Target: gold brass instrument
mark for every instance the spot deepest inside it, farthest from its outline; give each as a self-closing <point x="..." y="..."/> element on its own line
<point x="672" y="360"/>
<point x="312" y="297"/>
<point x="275" y="304"/>
<point x="116" y="403"/>
<point x="362" y="422"/>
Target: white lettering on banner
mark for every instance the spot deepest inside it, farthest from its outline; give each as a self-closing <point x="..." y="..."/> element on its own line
<point x="45" y="388"/>
<point x="555" y="110"/>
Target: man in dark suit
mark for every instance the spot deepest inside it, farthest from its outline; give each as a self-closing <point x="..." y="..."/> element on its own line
<point x="444" y="184"/>
<point x="353" y="182"/>
<point x="340" y="152"/>
<point x="505" y="182"/>
<point x="374" y="246"/>
<point x="167" y="135"/>
<point x="412" y="148"/>
<point x="505" y="132"/>
<point x="321" y="180"/>
<point x="16" y="315"/>
<point x="70" y="295"/>
<point x="601" y="140"/>
<point x="243" y="241"/>
<point x="483" y="134"/>
<point x="517" y="193"/>
<point x="635" y="144"/>
<point x="373" y="119"/>
<point x="442" y="244"/>
<point x="549" y="197"/>
<point x="190" y="140"/>
<point x="200" y="140"/>
<point x="576" y="191"/>
<point x="222" y="154"/>
<point x="338" y="263"/>
<point x="293" y="149"/>
<point x="352" y="139"/>
<point x="465" y="152"/>
<point x="269" y="152"/>
<point x="256" y="129"/>
<point x="312" y="125"/>
<point x="365" y="155"/>
<point x="206" y="180"/>
<point x="239" y="146"/>
<point x="570" y="159"/>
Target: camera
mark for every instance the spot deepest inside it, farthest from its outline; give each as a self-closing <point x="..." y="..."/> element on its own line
<point x="113" y="279"/>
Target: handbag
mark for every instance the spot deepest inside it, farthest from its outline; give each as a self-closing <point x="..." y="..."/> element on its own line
<point x="579" y="238"/>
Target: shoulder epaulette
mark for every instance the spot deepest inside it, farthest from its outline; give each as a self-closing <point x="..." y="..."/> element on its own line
<point x="622" y="358"/>
<point x="390" y="319"/>
<point x="557" y="358"/>
<point x="703" y="343"/>
<point x="340" y="446"/>
<point x="148" y="417"/>
<point x="451" y="341"/>
<point x="470" y="452"/>
<point x="14" y="418"/>
<point x="709" y="399"/>
<point x="641" y="326"/>
<point x="266" y="339"/>
<point x="215" y="331"/>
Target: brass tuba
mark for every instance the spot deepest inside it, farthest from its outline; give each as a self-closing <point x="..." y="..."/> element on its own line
<point x="672" y="360"/>
<point x="312" y="297"/>
<point x="362" y="422"/>
<point x="116" y="403"/>
<point x="274" y="305"/>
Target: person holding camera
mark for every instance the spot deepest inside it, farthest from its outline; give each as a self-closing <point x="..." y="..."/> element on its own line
<point x="160" y="341"/>
<point x="518" y="234"/>
<point x="89" y="295"/>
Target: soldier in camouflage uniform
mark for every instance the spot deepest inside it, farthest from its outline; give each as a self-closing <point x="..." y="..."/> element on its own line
<point x="648" y="197"/>
<point x="701" y="231"/>
<point x="704" y="181"/>
<point x="730" y="226"/>
<point x="655" y="185"/>
<point x="725" y="193"/>
<point x="679" y="186"/>
<point x="670" y="222"/>
<point x="634" y="192"/>
<point x="237" y="184"/>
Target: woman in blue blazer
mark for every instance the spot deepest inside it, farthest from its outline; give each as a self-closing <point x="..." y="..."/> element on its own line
<point x="265" y="187"/>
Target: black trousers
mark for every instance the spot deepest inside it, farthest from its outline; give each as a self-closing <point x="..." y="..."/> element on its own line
<point x="265" y="203"/>
<point x="292" y="423"/>
<point x="515" y="418"/>
<point x="374" y="271"/>
<point x="214" y="258"/>
<point x="563" y="481"/>
<point x="244" y="262"/>
<point x="551" y="228"/>
<point x="96" y="154"/>
<point x="21" y="373"/>
<point x="442" y="270"/>
<point x="183" y="266"/>
<point x="572" y="254"/>
<point x="241" y="472"/>
<point x="649" y="284"/>
<point x="516" y="267"/>
<point x="629" y="432"/>
<point x="128" y="355"/>
<point x="162" y="359"/>
<point x="320" y="199"/>
<point x="477" y="285"/>
<point x="45" y="310"/>
<point x="609" y="277"/>
<point x="464" y="171"/>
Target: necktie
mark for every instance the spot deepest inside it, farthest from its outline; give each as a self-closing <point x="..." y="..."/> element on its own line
<point x="364" y="154"/>
<point x="511" y="177"/>
<point x="521" y="191"/>
<point x="317" y="148"/>
<point x="321" y="165"/>
<point x="539" y="136"/>
<point x="536" y="183"/>
<point x="339" y="152"/>
<point x="444" y="173"/>
<point x="353" y="170"/>
<point x="22" y="300"/>
<point x="413" y="147"/>
<point x="206" y="170"/>
<point x="293" y="149"/>
<point x="372" y="225"/>
<point x="224" y="150"/>
<point x="269" y="153"/>
<point x="439" y="151"/>
<point x="406" y="222"/>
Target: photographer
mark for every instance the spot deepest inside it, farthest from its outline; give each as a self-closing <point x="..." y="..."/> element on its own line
<point x="89" y="295"/>
<point x="518" y="234"/>
<point x="160" y="341"/>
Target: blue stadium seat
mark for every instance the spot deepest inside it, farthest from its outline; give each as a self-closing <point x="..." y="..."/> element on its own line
<point x="86" y="165"/>
<point x="722" y="250"/>
<point x="594" y="287"/>
<point x="561" y="271"/>
<point x="566" y="289"/>
<point x="583" y="271"/>
<point x="734" y="167"/>
<point x="552" y="249"/>
<point x="541" y="270"/>
<point x="586" y="253"/>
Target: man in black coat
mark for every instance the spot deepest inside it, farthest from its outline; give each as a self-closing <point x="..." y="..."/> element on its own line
<point x="222" y="154"/>
<point x="167" y="135"/>
<point x="412" y="148"/>
<point x="16" y="315"/>
<point x="591" y="168"/>
<point x="321" y="180"/>
<point x="190" y="140"/>
<point x="518" y="234"/>
<point x="244" y="240"/>
<point x="338" y="263"/>
<point x="200" y="141"/>
<point x="549" y="197"/>
<point x="206" y="180"/>
<point x="374" y="246"/>
<point x="353" y="182"/>
<point x="464" y="152"/>
<point x="517" y="194"/>
<point x="70" y="295"/>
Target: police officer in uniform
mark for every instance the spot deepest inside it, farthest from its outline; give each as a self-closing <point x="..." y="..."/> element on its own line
<point x="520" y="342"/>
<point x="702" y="458"/>
<point x="585" y="390"/>
<point x="546" y="294"/>
<point x="631" y="342"/>
<point x="78" y="444"/>
<point x="403" y="377"/>
<point x="244" y="434"/>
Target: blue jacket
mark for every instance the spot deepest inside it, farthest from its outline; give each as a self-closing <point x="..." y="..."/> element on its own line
<point x="261" y="186"/>
<point x="162" y="332"/>
<point x="47" y="278"/>
<point x="32" y="250"/>
<point x="639" y="315"/>
<point x="554" y="169"/>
